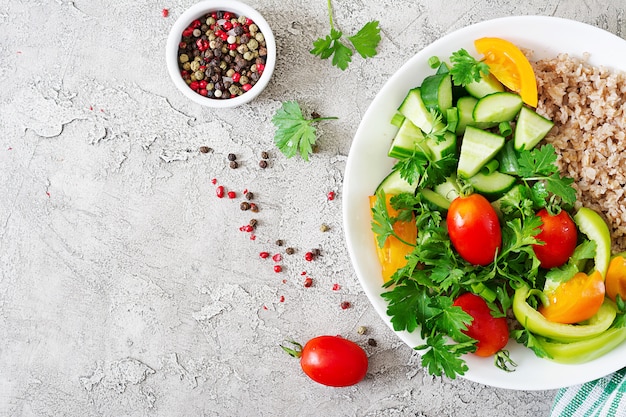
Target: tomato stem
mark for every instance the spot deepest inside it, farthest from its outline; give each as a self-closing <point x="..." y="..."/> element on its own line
<point x="295" y="352"/>
<point x="503" y="360"/>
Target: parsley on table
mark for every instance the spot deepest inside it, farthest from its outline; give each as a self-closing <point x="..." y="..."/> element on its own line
<point x="365" y="42"/>
<point x="465" y="68"/>
<point x="294" y="132"/>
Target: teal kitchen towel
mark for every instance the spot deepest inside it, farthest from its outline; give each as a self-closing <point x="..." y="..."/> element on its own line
<point x="604" y="397"/>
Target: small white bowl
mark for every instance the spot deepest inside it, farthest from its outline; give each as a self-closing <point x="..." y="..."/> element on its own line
<point x="199" y="10"/>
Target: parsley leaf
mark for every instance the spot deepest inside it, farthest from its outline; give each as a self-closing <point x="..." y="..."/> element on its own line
<point x="465" y="68"/>
<point x="365" y="42"/>
<point x="539" y="165"/>
<point x="294" y="132"/>
<point x="526" y="338"/>
<point x="443" y="357"/>
<point x="422" y="171"/>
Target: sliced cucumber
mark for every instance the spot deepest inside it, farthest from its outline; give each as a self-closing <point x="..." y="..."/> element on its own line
<point x="488" y="84"/>
<point x="530" y="129"/>
<point x="465" y="106"/>
<point x="395" y="184"/>
<point x="492" y="185"/>
<point x="436" y="92"/>
<point x="407" y="141"/>
<point x="449" y="189"/>
<point x="435" y="198"/>
<point x="441" y="148"/>
<point x="478" y="147"/>
<point x="497" y="107"/>
<point x="414" y="109"/>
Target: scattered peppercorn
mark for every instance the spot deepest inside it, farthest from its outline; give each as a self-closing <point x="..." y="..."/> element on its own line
<point x="277" y="257"/>
<point x="263" y="164"/>
<point x="290" y="251"/>
<point x="232" y="157"/>
<point x="254" y="208"/>
<point x="345" y="305"/>
<point x="278" y="268"/>
<point x="265" y="155"/>
<point x="232" y="194"/>
<point x="244" y="206"/>
<point x="324" y="227"/>
<point x="308" y="282"/>
<point x="205" y="149"/>
<point x="253" y="222"/>
<point x="372" y="342"/>
<point x="308" y="256"/>
<point x="279" y="242"/>
<point x="249" y="195"/>
<point x="361" y="330"/>
<point x="264" y="255"/>
<point x="233" y="164"/>
<point x="315" y="115"/>
<point x="316" y="252"/>
<point x="219" y="191"/>
<point x="331" y="195"/>
<point x="165" y="12"/>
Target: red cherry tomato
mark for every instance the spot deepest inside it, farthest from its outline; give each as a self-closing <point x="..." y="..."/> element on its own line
<point x="560" y="236"/>
<point x="474" y="229"/>
<point x="491" y="333"/>
<point x="331" y="360"/>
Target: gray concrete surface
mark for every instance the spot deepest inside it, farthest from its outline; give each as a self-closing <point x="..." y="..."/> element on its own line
<point x="126" y="286"/>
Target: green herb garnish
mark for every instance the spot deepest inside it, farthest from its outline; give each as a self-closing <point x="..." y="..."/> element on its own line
<point x="365" y="42"/>
<point x="294" y="132"/>
<point x="465" y="68"/>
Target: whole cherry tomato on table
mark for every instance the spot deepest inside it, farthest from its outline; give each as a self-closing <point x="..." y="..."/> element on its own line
<point x="491" y="333"/>
<point x="474" y="229"/>
<point x="559" y="234"/>
<point x="331" y="360"/>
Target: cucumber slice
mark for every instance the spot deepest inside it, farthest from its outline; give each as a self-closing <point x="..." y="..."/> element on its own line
<point x="414" y="109"/>
<point x="408" y="140"/>
<point x="493" y="185"/>
<point x="395" y="184"/>
<point x="488" y="84"/>
<point x="497" y="107"/>
<point x="478" y="147"/>
<point x="530" y="129"/>
<point x="436" y="92"/>
<point x="435" y="198"/>
<point x="448" y="189"/>
<point x="465" y="106"/>
<point x="442" y="148"/>
<point x="595" y="228"/>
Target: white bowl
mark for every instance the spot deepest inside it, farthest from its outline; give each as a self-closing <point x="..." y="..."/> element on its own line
<point x="198" y="10"/>
<point x="368" y="164"/>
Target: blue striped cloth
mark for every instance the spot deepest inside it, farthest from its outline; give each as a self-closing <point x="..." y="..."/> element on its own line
<point x="604" y="397"/>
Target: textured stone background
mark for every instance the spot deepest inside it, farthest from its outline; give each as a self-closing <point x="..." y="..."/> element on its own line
<point x="126" y="287"/>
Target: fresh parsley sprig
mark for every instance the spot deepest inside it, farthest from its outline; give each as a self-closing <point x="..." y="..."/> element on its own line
<point x="365" y="42"/>
<point x="295" y="133"/>
<point x="465" y="68"/>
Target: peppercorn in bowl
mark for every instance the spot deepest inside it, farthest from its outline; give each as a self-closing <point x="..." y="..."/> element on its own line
<point x="221" y="53"/>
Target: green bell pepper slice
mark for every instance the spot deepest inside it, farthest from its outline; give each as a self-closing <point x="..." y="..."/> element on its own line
<point x="534" y="321"/>
<point x="583" y="350"/>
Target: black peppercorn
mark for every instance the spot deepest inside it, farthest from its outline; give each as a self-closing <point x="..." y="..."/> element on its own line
<point x="234" y="164"/>
<point x="263" y="164"/>
<point x="265" y="155"/>
<point x="244" y="206"/>
<point x="205" y="149"/>
<point x="279" y="242"/>
<point x="249" y="195"/>
<point x="290" y="251"/>
<point x="232" y="157"/>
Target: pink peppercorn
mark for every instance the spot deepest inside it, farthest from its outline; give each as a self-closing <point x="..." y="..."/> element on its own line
<point x="246" y="87"/>
<point x="165" y="12"/>
<point x="236" y="77"/>
<point x="345" y="305"/>
<point x="232" y="194"/>
<point x="219" y="191"/>
<point x="264" y="255"/>
<point x="194" y="85"/>
<point x="203" y="92"/>
<point x="278" y="268"/>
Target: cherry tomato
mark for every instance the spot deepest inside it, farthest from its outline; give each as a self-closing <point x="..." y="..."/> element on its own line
<point x="392" y="255"/>
<point x="615" y="280"/>
<point x="560" y="236"/>
<point x="331" y="360"/>
<point x="491" y="333"/>
<point x="474" y="229"/>
<point x="575" y="300"/>
<point x="510" y="66"/>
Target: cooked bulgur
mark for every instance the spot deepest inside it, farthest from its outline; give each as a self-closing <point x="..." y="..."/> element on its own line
<point x="588" y="107"/>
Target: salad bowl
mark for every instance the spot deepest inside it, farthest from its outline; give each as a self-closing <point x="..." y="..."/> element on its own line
<point x="368" y="164"/>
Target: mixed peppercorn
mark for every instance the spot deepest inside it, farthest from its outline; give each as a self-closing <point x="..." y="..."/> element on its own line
<point x="222" y="55"/>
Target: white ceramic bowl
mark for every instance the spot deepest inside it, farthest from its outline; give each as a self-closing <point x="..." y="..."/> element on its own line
<point x="368" y="164"/>
<point x="198" y="10"/>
